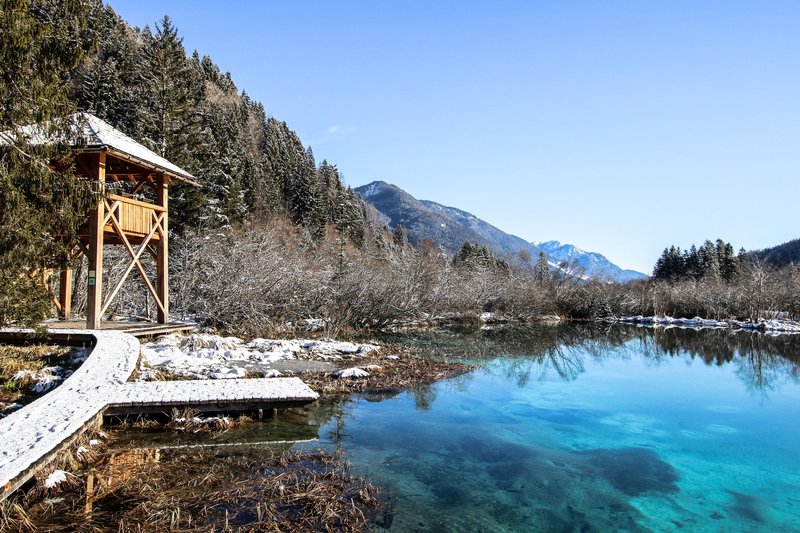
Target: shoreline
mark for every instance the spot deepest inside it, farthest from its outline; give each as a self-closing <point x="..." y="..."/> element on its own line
<point x="769" y="327"/>
<point x="329" y="367"/>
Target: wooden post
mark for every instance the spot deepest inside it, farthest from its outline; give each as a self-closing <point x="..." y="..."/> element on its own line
<point x="162" y="255"/>
<point x="95" y="297"/>
<point x="65" y="293"/>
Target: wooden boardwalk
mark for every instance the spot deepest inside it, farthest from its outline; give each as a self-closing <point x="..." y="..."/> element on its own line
<point x="209" y="395"/>
<point x="137" y="329"/>
<point x="32" y="436"/>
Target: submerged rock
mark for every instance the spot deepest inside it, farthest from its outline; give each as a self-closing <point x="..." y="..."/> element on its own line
<point x="746" y="506"/>
<point x="633" y="471"/>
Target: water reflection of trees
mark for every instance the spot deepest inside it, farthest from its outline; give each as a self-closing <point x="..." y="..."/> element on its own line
<point x="473" y="345"/>
<point x="718" y="346"/>
<point x="763" y="362"/>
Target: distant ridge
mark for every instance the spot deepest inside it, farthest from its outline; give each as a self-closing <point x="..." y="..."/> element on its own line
<point x="450" y="227"/>
<point x="781" y="255"/>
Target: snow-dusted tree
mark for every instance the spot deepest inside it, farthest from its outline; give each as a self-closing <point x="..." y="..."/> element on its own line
<point x="709" y="259"/>
<point x="399" y="237"/>
<point x="172" y="87"/>
<point x="671" y="265"/>
<point x="108" y="84"/>
<point x="728" y="264"/>
<point x="541" y="271"/>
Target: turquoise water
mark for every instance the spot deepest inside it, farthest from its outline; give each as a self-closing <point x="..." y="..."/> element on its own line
<point x="573" y="430"/>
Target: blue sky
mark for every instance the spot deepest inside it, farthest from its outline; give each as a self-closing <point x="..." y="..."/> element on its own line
<point x="621" y="127"/>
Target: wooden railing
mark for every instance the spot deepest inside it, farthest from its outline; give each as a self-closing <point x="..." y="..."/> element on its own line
<point x="136" y="218"/>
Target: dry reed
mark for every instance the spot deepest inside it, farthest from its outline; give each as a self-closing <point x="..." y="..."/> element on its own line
<point x="264" y="490"/>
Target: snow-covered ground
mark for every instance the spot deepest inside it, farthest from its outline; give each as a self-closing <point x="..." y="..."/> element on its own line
<point x="203" y="355"/>
<point x="771" y="327"/>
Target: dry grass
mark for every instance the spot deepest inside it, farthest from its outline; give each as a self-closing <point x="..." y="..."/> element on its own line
<point x="13" y="517"/>
<point x="87" y="449"/>
<point x="148" y="490"/>
<point x="188" y="420"/>
<point x="394" y="375"/>
<point x="16" y="358"/>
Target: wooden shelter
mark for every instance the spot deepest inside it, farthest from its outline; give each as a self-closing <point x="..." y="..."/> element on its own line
<point x="132" y="219"/>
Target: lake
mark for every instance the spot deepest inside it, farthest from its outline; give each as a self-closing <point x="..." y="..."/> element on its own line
<point x="578" y="428"/>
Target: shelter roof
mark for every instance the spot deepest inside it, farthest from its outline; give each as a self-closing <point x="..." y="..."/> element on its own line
<point x="92" y="134"/>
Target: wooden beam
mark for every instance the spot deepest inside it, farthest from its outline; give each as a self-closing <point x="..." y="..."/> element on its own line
<point x="82" y="249"/>
<point x="119" y="166"/>
<point x="65" y="293"/>
<point x="162" y="257"/>
<point x="147" y="205"/>
<point x="96" y="230"/>
<point x="139" y="184"/>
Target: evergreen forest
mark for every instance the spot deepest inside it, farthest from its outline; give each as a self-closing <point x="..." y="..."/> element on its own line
<point x="273" y="238"/>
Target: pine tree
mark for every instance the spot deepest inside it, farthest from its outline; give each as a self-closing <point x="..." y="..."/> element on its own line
<point x="108" y="84"/>
<point x="728" y="264"/>
<point x="659" y="270"/>
<point x="476" y="256"/>
<point x="42" y="204"/>
<point x="671" y="265"/>
<point x="399" y="237"/>
<point x="709" y="261"/>
<point x="186" y="109"/>
<point x="692" y="263"/>
<point x="541" y="272"/>
<point x="172" y="88"/>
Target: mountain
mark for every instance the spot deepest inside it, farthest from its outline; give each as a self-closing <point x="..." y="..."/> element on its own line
<point x="781" y="255"/>
<point x="451" y="227"/>
<point x="591" y="262"/>
<point x="498" y="241"/>
<point x="420" y="221"/>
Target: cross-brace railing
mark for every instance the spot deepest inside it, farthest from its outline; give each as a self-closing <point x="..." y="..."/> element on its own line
<point x="158" y="230"/>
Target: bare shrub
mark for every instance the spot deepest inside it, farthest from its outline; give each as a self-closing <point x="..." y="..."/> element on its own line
<point x="261" y="277"/>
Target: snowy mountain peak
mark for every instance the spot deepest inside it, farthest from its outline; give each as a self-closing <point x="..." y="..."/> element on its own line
<point x="552" y="246"/>
<point x="450" y="227"/>
<point x="372" y="189"/>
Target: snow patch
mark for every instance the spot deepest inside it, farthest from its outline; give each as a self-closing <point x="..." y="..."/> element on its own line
<point x="351" y="373"/>
<point x="769" y="326"/>
<point x="202" y="355"/>
<point x="228" y="373"/>
<point x="493" y="318"/>
<point x="56" y="478"/>
<point x="40" y="381"/>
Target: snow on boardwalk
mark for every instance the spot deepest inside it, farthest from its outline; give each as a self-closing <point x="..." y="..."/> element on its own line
<point x="31" y="436"/>
<point x="138" y="397"/>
